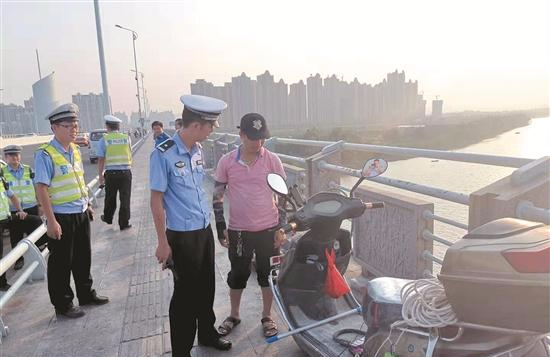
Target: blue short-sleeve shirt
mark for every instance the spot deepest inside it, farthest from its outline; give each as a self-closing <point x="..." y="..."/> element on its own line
<point x="179" y="174"/>
<point x="44" y="172"/>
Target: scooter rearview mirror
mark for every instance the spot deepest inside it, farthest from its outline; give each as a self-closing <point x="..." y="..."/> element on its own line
<point x="277" y="183"/>
<point x="374" y="167"/>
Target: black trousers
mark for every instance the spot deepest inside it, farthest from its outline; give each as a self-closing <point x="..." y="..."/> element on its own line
<point x="19" y="227"/>
<point x="70" y="254"/>
<point x="118" y="181"/>
<point x="194" y="289"/>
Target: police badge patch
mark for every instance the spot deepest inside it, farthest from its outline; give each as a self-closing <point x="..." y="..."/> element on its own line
<point x="180" y="164"/>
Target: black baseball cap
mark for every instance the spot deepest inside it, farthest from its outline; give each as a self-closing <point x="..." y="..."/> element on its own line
<point x="253" y="125"/>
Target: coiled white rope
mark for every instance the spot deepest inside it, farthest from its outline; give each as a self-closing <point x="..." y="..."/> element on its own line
<point x="425" y="304"/>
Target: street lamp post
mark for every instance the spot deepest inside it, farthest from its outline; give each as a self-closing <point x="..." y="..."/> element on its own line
<point x="143" y="95"/>
<point x="103" y="67"/>
<point x="134" y="38"/>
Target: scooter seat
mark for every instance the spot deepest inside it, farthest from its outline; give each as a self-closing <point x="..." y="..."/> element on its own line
<point x="386" y="290"/>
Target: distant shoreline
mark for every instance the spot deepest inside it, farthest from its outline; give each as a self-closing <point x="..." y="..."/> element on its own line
<point x="447" y="136"/>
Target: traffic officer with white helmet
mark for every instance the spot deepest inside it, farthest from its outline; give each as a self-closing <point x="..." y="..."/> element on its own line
<point x="114" y="163"/>
<point x="181" y="213"/>
<point x="20" y="180"/>
<point x="62" y="193"/>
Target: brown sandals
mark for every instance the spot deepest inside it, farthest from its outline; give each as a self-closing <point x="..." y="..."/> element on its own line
<point x="227" y="325"/>
<point x="269" y="327"/>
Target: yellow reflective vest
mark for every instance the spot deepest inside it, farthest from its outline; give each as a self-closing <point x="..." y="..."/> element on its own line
<point x="4" y="200"/>
<point x="22" y="188"/>
<point x="68" y="182"/>
<point x="117" y="149"/>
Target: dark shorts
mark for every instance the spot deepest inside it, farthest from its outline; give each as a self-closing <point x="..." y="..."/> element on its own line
<point x="259" y="243"/>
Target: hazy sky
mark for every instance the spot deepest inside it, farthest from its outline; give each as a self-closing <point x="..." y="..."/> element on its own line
<point x="474" y="54"/>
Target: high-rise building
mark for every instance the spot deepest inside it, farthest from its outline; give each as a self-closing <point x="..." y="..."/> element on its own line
<point x="202" y="87"/>
<point x="29" y="105"/>
<point x="9" y="118"/>
<point x="297" y="104"/>
<point x="356" y="106"/>
<point x="324" y="103"/>
<point x="243" y="96"/>
<point x="91" y="111"/>
<point x="314" y="99"/>
<point x="421" y="108"/>
<point x="224" y="93"/>
<point x="332" y="99"/>
<point x="266" y="102"/>
<point x="437" y="108"/>
<point x="394" y="108"/>
<point x="280" y="110"/>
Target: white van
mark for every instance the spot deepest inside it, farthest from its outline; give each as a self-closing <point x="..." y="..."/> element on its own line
<point x="95" y="135"/>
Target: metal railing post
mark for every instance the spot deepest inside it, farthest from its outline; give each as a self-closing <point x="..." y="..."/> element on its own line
<point x="319" y="179"/>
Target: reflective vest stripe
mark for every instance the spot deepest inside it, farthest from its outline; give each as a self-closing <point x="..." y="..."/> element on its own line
<point x="4" y="203"/>
<point x="68" y="182"/>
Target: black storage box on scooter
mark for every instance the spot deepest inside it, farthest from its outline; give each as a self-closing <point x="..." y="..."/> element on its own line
<point x="499" y="275"/>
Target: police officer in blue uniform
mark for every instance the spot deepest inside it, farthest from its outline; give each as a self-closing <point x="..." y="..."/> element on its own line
<point x="20" y="179"/>
<point x="62" y="193"/>
<point x="181" y="213"/>
<point x="114" y="151"/>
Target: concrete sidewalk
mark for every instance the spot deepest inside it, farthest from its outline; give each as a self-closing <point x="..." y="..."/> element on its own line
<point x="135" y="322"/>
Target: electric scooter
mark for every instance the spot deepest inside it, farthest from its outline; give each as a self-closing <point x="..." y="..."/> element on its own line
<point x="298" y="277"/>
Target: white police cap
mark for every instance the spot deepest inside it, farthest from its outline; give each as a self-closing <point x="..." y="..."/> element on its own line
<point x="13" y="149"/>
<point x="65" y="111"/>
<point x="207" y="107"/>
<point x="112" y="119"/>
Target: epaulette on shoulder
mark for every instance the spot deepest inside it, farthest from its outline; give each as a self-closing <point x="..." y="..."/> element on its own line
<point x="43" y="148"/>
<point x="165" y="145"/>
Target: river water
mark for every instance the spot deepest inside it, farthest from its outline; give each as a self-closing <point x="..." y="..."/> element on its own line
<point x="531" y="141"/>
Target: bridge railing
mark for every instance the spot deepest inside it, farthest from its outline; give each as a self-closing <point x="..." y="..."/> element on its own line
<point x="411" y="235"/>
<point x="36" y="268"/>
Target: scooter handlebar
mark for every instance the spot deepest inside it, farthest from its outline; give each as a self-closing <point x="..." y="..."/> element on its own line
<point x="369" y="205"/>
